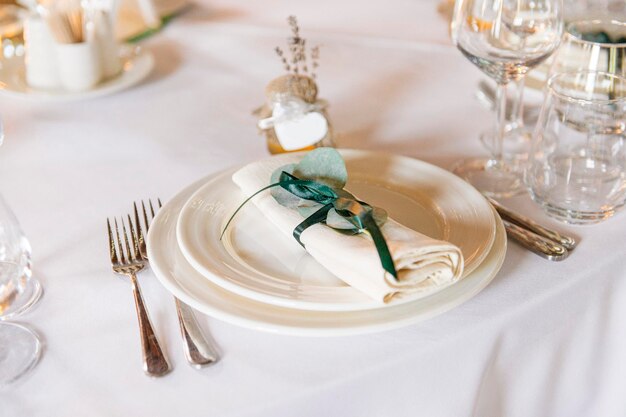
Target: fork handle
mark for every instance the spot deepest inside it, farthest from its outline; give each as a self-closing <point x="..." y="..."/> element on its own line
<point x="154" y="361"/>
<point x="198" y="351"/>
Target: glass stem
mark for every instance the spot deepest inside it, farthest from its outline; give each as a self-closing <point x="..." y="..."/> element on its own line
<point x="498" y="135"/>
<point x="517" y="113"/>
<point x="518" y="110"/>
<point x="613" y="64"/>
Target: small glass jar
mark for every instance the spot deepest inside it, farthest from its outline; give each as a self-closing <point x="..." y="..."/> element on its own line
<point x="292" y="97"/>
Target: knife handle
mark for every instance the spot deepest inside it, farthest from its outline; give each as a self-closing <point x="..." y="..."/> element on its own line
<point x="538" y="244"/>
<point x="567" y="242"/>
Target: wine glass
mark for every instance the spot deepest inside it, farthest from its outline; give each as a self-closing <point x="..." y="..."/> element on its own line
<point x="577" y="164"/>
<point x="505" y="39"/>
<point x="20" y="347"/>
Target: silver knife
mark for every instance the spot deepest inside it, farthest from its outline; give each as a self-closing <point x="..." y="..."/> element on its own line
<point x="567" y="242"/>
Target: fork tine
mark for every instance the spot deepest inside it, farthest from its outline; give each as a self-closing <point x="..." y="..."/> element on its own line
<point x="143" y="251"/>
<point x="134" y="240"/>
<point x="151" y="209"/>
<point x="122" y="256"/>
<point x="112" y="251"/>
<point x="129" y="252"/>
<point x="159" y="200"/>
<point x="145" y="216"/>
<point x="137" y="223"/>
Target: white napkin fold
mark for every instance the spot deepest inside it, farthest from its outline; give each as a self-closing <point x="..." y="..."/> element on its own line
<point x="423" y="264"/>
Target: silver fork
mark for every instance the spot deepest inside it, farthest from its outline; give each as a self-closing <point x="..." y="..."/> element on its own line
<point x="198" y="351"/>
<point x="129" y="262"/>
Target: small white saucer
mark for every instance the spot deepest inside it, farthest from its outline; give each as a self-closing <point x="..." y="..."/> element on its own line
<point x="136" y="66"/>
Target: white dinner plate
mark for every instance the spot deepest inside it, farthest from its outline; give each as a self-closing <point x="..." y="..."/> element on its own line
<point x="182" y="280"/>
<point x="136" y="66"/>
<point x="256" y="261"/>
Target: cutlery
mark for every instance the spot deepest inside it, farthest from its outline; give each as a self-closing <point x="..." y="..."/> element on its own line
<point x="198" y="351"/>
<point x="567" y="242"/>
<point x="538" y="244"/>
<point x="129" y="262"/>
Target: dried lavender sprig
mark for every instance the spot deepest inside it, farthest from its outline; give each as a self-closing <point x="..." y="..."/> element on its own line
<point x="293" y="22"/>
<point x="297" y="60"/>
<point x="302" y="56"/>
<point x="315" y="55"/>
<point x="296" y="44"/>
<point x="281" y="55"/>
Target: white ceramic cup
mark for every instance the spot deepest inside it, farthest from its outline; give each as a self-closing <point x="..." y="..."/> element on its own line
<point x="40" y="56"/>
<point x="79" y="65"/>
<point x="109" y="47"/>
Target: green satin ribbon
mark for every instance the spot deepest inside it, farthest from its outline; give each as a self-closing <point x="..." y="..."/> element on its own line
<point x="356" y="212"/>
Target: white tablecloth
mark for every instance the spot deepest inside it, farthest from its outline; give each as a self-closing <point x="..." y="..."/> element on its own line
<point x="544" y="339"/>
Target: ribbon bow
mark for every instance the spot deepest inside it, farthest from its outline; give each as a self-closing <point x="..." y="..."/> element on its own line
<point x="356" y="212"/>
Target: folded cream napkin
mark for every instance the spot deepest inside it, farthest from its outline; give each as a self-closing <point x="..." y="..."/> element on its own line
<point x="423" y="264"/>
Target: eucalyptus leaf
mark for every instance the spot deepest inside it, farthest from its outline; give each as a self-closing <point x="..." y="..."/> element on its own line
<point x="289" y="168"/>
<point x="307" y="208"/>
<point x="324" y="165"/>
<point x="336" y="221"/>
<point x="282" y="196"/>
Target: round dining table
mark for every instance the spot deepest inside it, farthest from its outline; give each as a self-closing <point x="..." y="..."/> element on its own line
<point x="543" y="339"/>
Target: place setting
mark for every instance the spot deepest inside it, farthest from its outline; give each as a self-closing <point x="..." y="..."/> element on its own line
<point x="284" y="244"/>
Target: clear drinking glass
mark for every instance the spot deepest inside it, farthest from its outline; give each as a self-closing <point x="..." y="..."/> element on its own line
<point x="577" y="164"/>
<point x="592" y="45"/>
<point x="505" y="39"/>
